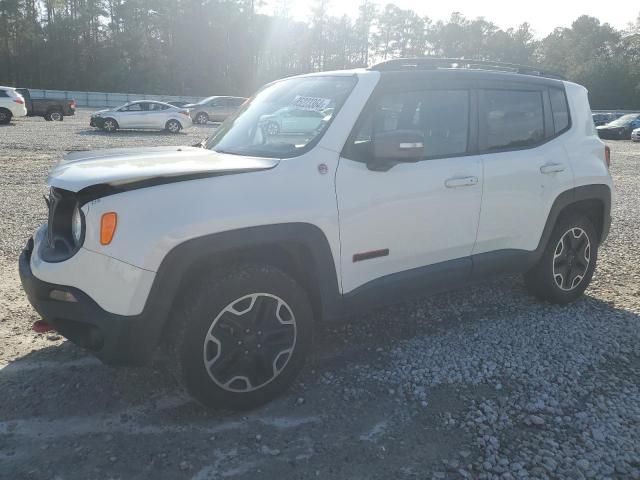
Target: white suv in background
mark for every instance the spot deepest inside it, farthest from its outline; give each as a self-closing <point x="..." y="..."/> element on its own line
<point x="11" y="105"/>
<point x="424" y="175"/>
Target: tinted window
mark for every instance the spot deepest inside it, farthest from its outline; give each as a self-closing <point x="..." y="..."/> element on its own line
<point x="3" y="93"/>
<point x="441" y="115"/>
<point x="157" y="106"/>
<point x="559" y="109"/>
<point x="136" y="107"/>
<point x="512" y="119"/>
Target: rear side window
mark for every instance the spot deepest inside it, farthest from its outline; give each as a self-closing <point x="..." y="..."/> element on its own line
<point x="4" y="93"/>
<point x="442" y="116"/>
<point x="559" y="109"/>
<point x="511" y="119"/>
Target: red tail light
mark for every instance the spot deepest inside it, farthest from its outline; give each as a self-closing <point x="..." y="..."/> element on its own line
<point x="607" y="155"/>
<point x="19" y="100"/>
<point x="73" y="104"/>
<point x="185" y="112"/>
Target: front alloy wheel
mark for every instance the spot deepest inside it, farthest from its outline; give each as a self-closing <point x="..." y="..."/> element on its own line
<point x="250" y="342"/>
<point x="243" y="336"/>
<point x="110" y="125"/>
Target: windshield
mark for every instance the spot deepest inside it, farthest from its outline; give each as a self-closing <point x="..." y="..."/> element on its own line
<point x="284" y="119"/>
<point x="624" y="120"/>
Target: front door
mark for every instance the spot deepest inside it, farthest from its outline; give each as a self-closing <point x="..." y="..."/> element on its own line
<point x="413" y="214"/>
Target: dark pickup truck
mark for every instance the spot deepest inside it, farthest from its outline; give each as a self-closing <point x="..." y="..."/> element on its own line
<point x="49" y="108"/>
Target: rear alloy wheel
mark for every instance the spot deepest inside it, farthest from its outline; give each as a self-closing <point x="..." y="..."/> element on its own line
<point x="5" y="116"/>
<point x="173" y="126"/>
<point x="571" y="259"/>
<point x="110" y="125"/>
<point x="568" y="262"/>
<point x="245" y="336"/>
<point x="56" y="116"/>
<point x="202" y="118"/>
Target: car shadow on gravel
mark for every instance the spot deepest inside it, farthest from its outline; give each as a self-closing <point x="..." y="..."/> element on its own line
<point x="33" y="384"/>
<point x="63" y="400"/>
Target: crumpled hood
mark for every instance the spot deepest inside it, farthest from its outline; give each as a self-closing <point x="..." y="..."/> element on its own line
<point x="118" y="167"/>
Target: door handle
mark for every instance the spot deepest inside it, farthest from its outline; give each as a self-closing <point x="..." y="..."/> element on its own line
<point x="460" y="182"/>
<point x="552" y="168"/>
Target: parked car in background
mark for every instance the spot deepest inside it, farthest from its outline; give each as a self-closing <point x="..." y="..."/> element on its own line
<point x="142" y="114"/>
<point x="291" y="120"/>
<point x="621" y="128"/>
<point x="603" y="118"/>
<point x="178" y="103"/>
<point x="11" y="104"/>
<point x="49" y="108"/>
<point x="635" y="135"/>
<point x="214" y="109"/>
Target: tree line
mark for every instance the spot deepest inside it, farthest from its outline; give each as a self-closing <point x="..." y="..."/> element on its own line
<point x="206" y="47"/>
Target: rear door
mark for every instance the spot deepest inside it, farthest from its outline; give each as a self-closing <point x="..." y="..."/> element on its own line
<point x="157" y="115"/>
<point x="525" y="164"/>
<point x="412" y="215"/>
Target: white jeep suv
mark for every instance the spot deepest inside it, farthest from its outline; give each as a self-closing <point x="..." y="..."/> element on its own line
<point x="11" y="105"/>
<point x="426" y="175"/>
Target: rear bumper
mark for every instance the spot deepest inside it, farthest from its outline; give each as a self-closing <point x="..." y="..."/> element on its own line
<point x="115" y="339"/>
<point x="18" y="110"/>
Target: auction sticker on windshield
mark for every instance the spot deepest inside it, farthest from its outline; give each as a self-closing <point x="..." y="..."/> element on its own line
<point x="310" y="103"/>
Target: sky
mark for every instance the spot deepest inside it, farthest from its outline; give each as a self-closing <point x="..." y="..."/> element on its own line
<point x="543" y="15"/>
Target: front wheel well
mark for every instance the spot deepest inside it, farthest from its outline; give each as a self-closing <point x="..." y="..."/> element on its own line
<point x="293" y="258"/>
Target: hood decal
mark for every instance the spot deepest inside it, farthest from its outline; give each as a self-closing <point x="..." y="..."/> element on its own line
<point x="93" y="192"/>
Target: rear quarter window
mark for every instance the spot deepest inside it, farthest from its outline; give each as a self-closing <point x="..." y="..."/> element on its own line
<point x="511" y="119"/>
<point x="559" y="109"/>
<point x="4" y="93"/>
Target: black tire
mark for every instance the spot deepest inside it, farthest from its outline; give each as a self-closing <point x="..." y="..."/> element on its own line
<point x="110" y="125"/>
<point x="173" y="126"/>
<point x="217" y="306"/>
<point x="560" y="276"/>
<point x="47" y="117"/>
<point x="202" y="118"/>
<point x="5" y="116"/>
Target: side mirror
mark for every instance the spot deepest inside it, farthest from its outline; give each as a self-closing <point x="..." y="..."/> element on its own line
<point x="397" y="146"/>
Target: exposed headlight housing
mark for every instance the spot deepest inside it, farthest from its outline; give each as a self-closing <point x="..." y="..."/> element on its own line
<point x="76" y="226"/>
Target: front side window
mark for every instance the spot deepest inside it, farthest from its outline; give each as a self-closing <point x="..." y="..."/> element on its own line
<point x="134" y="107"/>
<point x="284" y="119"/>
<point x="441" y="116"/>
<point x="511" y="119"/>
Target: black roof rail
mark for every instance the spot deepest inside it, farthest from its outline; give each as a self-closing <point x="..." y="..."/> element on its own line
<point x="434" y="63"/>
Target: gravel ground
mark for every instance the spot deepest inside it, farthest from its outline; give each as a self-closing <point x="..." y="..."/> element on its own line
<point x="479" y="383"/>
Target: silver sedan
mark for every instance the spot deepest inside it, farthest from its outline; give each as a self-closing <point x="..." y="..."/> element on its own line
<point x="142" y="114"/>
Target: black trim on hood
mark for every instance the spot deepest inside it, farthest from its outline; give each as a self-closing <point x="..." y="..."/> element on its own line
<point x="101" y="190"/>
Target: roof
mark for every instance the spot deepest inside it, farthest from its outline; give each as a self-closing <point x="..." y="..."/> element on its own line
<point x="435" y="63"/>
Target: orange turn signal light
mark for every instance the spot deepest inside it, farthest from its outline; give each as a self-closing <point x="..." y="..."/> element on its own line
<point x="108" y="224"/>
